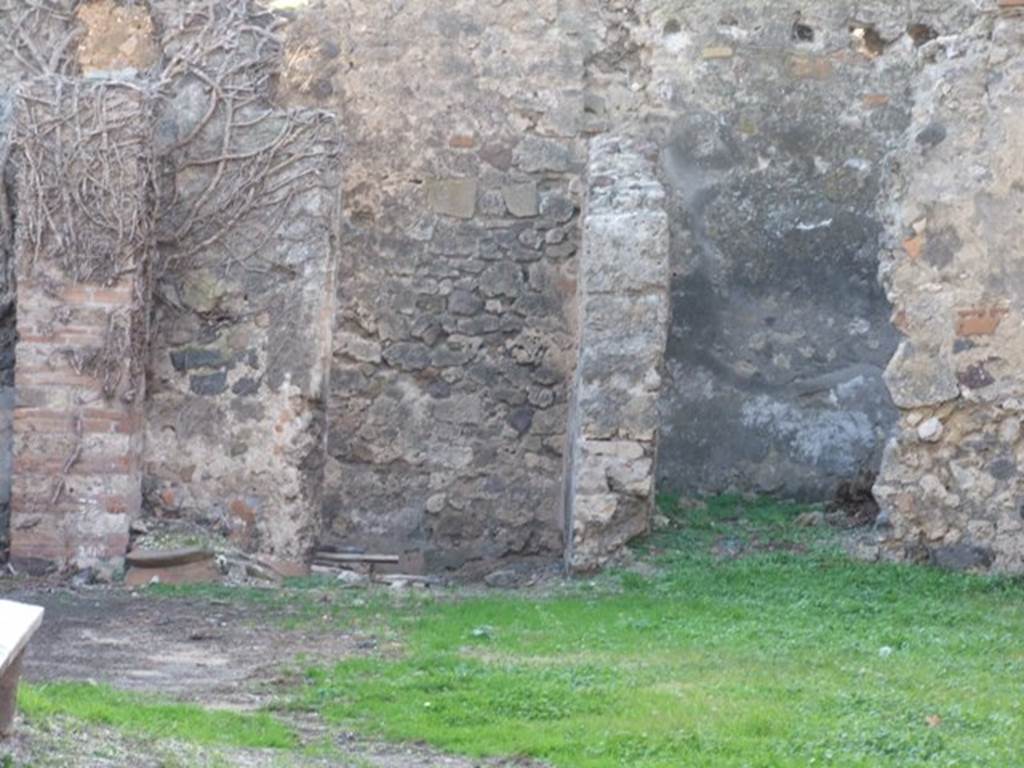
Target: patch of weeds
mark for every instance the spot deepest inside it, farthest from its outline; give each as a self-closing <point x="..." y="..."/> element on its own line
<point x="212" y="592"/>
<point x="729" y="527"/>
<point x="299" y="603"/>
<point x="144" y="715"/>
<point x="633" y="582"/>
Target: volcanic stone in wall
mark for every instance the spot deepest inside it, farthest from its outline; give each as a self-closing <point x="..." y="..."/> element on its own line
<point x="951" y="487"/>
<point x="454" y="338"/>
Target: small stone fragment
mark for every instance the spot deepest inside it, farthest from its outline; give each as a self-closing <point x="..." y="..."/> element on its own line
<point x="351" y="579"/>
<point x="462" y="302"/>
<point x="713" y="52"/>
<point x="930" y="430"/>
<point x="504" y="578"/>
<point x="521" y="419"/>
<point x="213" y="384"/>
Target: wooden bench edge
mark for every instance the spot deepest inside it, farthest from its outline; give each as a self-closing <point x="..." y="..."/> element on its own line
<point x="33" y="627"/>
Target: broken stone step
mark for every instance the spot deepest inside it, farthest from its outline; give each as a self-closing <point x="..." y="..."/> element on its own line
<point x="190" y="565"/>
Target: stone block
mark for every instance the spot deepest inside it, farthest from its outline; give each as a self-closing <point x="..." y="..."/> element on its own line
<point x="626" y="252"/>
<point x="116" y="38"/>
<point x="918" y="376"/>
<point x="453" y="197"/>
<point x="981" y="321"/>
<point x="535" y="154"/>
<point x="521" y="200"/>
<point x="358" y="347"/>
<point x="713" y="52"/>
<point x="810" y="67"/>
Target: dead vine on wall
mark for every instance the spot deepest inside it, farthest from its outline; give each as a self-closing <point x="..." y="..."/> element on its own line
<point x="229" y="174"/>
<point x="234" y="165"/>
<point x="238" y="162"/>
<point x="38" y="37"/>
<point x="81" y="168"/>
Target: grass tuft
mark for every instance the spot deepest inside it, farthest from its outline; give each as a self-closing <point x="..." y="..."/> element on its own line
<point x="148" y="716"/>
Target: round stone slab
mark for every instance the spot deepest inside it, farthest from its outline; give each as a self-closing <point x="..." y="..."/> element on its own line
<point x="163" y="558"/>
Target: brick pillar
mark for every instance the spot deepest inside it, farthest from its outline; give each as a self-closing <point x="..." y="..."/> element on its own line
<point x="82" y="248"/>
<point x="623" y="316"/>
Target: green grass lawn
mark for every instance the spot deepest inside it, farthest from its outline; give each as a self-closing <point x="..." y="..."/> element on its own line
<point x="787" y="655"/>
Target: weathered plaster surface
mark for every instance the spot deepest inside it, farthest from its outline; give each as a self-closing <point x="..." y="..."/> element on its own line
<point x="776" y="135"/>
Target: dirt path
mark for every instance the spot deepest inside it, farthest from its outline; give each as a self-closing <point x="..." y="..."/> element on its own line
<point x="216" y="653"/>
<point x="212" y="652"/>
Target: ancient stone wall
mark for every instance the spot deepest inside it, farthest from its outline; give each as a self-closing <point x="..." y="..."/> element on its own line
<point x="244" y="298"/>
<point x="244" y="214"/>
<point x="623" y="325"/>
<point x="454" y="338"/>
<point x="399" y="374"/>
<point x="951" y="486"/>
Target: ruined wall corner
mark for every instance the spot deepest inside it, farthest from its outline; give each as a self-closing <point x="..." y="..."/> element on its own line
<point x="623" y="306"/>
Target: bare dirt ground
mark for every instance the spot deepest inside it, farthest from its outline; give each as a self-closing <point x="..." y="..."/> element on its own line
<point x="217" y="653"/>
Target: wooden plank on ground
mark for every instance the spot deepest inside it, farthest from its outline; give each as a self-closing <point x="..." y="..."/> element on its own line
<point x="346" y="557"/>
